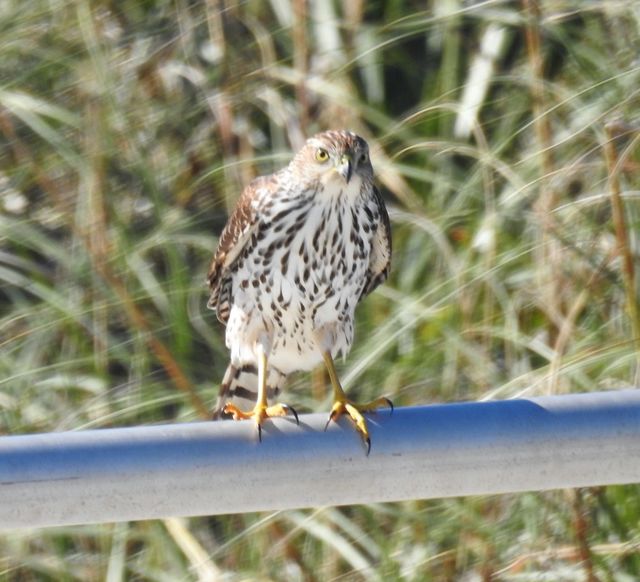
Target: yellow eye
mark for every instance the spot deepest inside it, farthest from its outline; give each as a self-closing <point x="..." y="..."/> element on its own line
<point x="322" y="155"/>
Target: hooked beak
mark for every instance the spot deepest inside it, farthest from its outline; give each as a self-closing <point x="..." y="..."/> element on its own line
<point x="345" y="169"/>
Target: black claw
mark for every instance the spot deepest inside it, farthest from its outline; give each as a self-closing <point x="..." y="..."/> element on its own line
<point x="292" y="410"/>
<point x="260" y="433"/>
<point x="368" y="441"/>
<point x="390" y="404"/>
<point x="331" y="417"/>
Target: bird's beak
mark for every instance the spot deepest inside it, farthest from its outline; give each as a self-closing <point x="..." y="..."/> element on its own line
<point x="345" y="169"/>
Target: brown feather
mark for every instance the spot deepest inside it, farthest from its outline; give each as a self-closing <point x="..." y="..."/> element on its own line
<point x="380" y="259"/>
<point x="234" y="237"/>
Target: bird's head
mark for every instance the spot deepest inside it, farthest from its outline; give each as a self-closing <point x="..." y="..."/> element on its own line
<point x="335" y="157"/>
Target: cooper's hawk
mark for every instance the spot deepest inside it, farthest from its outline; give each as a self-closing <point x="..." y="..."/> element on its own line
<point x="301" y="249"/>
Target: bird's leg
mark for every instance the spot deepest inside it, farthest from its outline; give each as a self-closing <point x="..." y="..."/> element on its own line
<point x="262" y="409"/>
<point x="342" y="405"/>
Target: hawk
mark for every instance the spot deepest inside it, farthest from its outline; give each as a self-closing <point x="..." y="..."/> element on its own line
<point x="301" y="249"/>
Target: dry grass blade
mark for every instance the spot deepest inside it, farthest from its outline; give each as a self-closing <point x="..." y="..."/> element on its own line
<point x="205" y="568"/>
<point x="614" y="165"/>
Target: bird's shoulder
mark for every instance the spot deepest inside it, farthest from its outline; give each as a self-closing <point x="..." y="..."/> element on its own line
<point x="239" y="227"/>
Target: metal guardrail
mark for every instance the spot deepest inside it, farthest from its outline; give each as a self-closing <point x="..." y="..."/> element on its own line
<point x="220" y="467"/>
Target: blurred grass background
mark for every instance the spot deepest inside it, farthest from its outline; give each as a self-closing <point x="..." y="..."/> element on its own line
<point x="504" y="135"/>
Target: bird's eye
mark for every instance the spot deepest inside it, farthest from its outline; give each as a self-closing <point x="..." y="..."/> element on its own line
<point x="322" y="155"/>
<point x="364" y="158"/>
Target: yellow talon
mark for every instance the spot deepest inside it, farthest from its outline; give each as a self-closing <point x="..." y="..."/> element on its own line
<point x="260" y="413"/>
<point x="236" y="413"/>
<point x="342" y="404"/>
<point x="261" y="410"/>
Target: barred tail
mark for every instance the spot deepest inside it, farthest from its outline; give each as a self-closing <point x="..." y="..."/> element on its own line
<point x="240" y="386"/>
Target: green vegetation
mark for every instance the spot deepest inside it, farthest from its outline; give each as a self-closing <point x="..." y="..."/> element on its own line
<point x="505" y="137"/>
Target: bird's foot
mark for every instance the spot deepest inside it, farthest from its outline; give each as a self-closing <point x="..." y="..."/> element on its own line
<point x="260" y="413"/>
<point x="354" y="411"/>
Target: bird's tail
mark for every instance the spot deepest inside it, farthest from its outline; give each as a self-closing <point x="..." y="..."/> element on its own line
<point x="240" y="387"/>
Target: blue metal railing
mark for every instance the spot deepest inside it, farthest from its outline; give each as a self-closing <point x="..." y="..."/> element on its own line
<point x="220" y="467"/>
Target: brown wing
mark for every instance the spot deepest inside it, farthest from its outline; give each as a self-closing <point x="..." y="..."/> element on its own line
<point x="234" y="237"/>
<point x="380" y="259"/>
